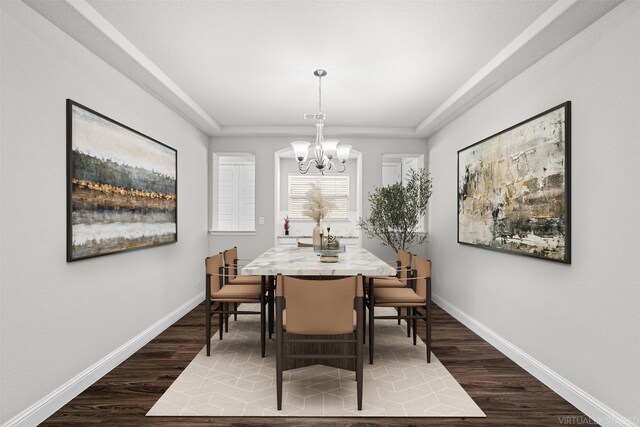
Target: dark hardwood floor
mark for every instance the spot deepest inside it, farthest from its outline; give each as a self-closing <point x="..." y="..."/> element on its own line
<point x="507" y="394"/>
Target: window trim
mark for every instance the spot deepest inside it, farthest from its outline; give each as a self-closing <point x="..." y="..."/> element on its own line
<point x="232" y="233"/>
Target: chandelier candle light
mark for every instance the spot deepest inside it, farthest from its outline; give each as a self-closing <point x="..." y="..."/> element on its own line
<point x="324" y="150"/>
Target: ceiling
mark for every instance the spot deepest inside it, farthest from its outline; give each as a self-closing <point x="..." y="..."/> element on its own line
<point x="395" y="68"/>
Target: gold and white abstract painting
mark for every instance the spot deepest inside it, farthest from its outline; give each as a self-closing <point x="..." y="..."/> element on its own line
<point x="513" y="188"/>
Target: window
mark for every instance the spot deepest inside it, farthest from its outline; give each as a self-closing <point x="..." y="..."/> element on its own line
<point x="234" y="192"/>
<point x="334" y="188"/>
<point x="395" y="167"/>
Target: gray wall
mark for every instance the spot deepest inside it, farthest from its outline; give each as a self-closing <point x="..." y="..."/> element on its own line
<point x="580" y="320"/>
<point x="57" y="318"/>
<point x="372" y="150"/>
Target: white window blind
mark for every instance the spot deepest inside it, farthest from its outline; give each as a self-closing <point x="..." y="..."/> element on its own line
<point x="334" y="188"/>
<point x="236" y="197"/>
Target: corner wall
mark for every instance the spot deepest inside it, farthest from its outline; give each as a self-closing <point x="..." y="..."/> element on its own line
<point x="581" y="321"/>
<point x="58" y="319"/>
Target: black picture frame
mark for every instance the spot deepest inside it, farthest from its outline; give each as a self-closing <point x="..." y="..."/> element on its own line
<point x="514" y="188"/>
<point x="122" y="187"/>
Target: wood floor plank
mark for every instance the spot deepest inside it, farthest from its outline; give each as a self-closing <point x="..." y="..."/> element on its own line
<point x="507" y="394"/>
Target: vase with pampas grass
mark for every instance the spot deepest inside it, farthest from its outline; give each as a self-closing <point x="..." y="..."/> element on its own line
<point x="317" y="208"/>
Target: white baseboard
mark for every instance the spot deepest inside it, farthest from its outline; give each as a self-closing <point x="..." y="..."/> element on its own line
<point x="582" y="400"/>
<point x="45" y="407"/>
<point x="589" y="405"/>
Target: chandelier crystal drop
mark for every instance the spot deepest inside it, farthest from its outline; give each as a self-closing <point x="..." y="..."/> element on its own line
<point x="323" y="151"/>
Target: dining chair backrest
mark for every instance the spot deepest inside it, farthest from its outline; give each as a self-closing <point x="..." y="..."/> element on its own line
<point x="305" y="245"/>
<point x="213" y="266"/>
<point x="403" y="259"/>
<point x="319" y="307"/>
<point x="230" y="262"/>
<point x="423" y="274"/>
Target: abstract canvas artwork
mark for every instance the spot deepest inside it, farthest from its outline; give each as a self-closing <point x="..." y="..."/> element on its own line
<point x="514" y="188"/>
<point x="121" y="187"/>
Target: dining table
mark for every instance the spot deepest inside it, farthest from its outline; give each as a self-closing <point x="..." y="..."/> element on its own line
<point x="292" y="261"/>
<point x="306" y="262"/>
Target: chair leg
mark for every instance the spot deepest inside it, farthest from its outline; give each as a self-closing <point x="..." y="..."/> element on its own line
<point x="414" y="321"/>
<point x="427" y="319"/>
<point x="359" y="344"/>
<point x="271" y="288"/>
<point x="220" y="320"/>
<point x="371" y="328"/>
<point x="235" y="308"/>
<point x="226" y="318"/>
<point x="207" y="313"/>
<point x="407" y="311"/>
<point x="263" y="319"/>
<point x="279" y="357"/>
<point x="399" y="311"/>
<point x="364" y="322"/>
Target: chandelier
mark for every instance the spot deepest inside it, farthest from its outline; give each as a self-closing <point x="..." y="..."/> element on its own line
<point x="322" y="153"/>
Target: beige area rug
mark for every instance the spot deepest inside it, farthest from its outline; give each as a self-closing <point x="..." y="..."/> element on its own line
<point x="236" y="381"/>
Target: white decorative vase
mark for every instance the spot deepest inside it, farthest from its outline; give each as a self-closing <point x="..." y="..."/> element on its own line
<point x="316" y="235"/>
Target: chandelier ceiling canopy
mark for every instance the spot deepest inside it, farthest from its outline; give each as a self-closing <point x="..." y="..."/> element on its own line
<point x="323" y="151"/>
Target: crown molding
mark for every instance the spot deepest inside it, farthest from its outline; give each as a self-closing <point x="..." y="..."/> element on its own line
<point x="305" y="131"/>
<point x="85" y="24"/>
<point x="563" y="20"/>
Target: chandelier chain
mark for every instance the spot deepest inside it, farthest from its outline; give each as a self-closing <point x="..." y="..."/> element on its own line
<point x="320" y="94"/>
<point x="323" y="152"/>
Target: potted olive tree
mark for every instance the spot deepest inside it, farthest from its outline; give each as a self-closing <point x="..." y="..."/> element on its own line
<point x="396" y="211"/>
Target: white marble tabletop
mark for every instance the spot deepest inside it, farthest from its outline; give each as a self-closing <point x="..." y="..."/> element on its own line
<point x="305" y="262"/>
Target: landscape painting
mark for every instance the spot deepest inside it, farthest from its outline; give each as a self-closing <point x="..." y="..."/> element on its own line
<point x="514" y="188"/>
<point x="121" y="187"/>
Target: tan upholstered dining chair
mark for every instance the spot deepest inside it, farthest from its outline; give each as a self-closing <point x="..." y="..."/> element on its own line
<point x="400" y="280"/>
<point x="403" y="269"/>
<point x="222" y="299"/>
<point x="319" y="308"/>
<point x="411" y="298"/>
<point x="305" y="245"/>
<point x="232" y="263"/>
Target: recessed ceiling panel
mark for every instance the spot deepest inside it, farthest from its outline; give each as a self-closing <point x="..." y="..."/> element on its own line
<point x="389" y="63"/>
